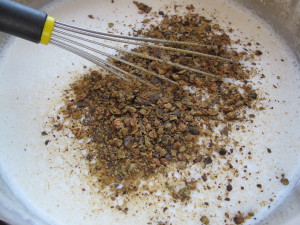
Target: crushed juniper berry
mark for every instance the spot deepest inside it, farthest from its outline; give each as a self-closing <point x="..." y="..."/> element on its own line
<point x="133" y="131"/>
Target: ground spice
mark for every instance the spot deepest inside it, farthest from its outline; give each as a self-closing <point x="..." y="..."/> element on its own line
<point x="132" y="132"/>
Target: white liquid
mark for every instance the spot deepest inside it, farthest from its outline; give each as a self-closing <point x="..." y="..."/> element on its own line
<point x="45" y="178"/>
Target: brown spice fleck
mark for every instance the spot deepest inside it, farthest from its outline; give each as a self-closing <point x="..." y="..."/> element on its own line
<point x="284" y="181"/>
<point x="239" y="219"/>
<point x="181" y="127"/>
<point x="208" y="160"/>
<point x="142" y="6"/>
<point x="216" y="26"/>
<point x="222" y="151"/>
<point x="258" y="52"/>
<point x="190" y="7"/>
<point x="59" y="127"/>
<point x="204" y="220"/>
<point x="146" y="21"/>
<point x="251" y="214"/>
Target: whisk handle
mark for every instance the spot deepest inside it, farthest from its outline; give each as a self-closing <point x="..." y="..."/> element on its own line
<point x="21" y="21"/>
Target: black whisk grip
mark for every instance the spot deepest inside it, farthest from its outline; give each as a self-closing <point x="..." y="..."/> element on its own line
<point x="21" y="21"/>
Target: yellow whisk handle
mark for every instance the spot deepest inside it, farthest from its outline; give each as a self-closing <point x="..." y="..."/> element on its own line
<point x="47" y="30"/>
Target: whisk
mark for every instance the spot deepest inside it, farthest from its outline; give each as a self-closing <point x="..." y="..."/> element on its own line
<point x="38" y="27"/>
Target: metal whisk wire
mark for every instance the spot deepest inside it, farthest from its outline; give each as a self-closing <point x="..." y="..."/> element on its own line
<point x="38" y="27"/>
<point x="64" y="36"/>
